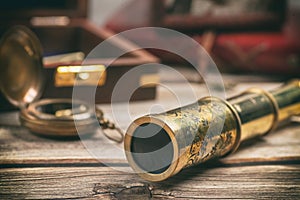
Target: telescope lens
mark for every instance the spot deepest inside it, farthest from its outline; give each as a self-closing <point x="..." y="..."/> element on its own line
<point x="152" y="149"/>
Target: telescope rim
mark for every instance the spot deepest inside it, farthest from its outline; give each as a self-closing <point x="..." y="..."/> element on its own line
<point x="127" y="146"/>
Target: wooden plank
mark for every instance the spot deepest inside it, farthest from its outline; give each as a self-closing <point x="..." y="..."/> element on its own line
<point x="235" y="182"/>
<point x="19" y="146"/>
<point x="34" y="167"/>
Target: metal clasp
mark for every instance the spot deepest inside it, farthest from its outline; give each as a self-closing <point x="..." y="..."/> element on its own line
<point x="106" y="124"/>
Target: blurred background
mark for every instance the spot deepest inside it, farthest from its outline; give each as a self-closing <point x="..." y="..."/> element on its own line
<point x="257" y="40"/>
<point x="257" y="37"/>
<point x="101" y="11"/>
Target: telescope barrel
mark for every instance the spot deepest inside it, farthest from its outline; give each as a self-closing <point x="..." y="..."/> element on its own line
<point x="159" y="146"/>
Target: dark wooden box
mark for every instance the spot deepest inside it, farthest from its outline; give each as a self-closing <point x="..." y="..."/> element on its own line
<point x="76" y="34"/>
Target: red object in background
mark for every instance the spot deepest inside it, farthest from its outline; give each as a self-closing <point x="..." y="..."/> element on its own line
<point x="259" y="52"/>
<point x="263" y="52"/>
<point x="273" y="46"/>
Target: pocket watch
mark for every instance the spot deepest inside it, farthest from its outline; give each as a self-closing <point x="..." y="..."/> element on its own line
<point x="21" y="82"/>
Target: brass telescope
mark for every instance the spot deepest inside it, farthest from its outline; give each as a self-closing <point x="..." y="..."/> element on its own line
<point x="159" y="146"/>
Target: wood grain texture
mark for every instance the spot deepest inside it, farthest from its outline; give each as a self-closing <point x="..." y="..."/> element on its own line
<point x="246" y="182"/>
<point x="33" y="167"/>
<point x="19" y="146"/>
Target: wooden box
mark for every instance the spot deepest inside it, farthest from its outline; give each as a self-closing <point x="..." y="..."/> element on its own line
<point x="62" y="27"/>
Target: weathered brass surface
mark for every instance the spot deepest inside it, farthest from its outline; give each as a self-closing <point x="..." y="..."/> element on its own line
<point x="55" y="117"/>
<point x="21" y="66"/>
<point x="21" y="81"/>
<point x="67" y="118"/>
<point x="159" y="146"/>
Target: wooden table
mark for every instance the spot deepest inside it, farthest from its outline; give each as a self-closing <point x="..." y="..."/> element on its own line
<point x="34" y="167"/>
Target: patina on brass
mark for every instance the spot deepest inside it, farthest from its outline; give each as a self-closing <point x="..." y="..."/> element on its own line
<point x="55" y="117"/>
<point x="159" y="146"/>
<point x="21" y="66"/>
<point x="21" y="81"/>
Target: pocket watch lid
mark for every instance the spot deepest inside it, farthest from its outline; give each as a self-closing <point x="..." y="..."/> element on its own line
<point x="20" y="66"/>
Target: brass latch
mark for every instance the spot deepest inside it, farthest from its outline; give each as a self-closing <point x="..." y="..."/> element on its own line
<point x="67" y="76"/>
